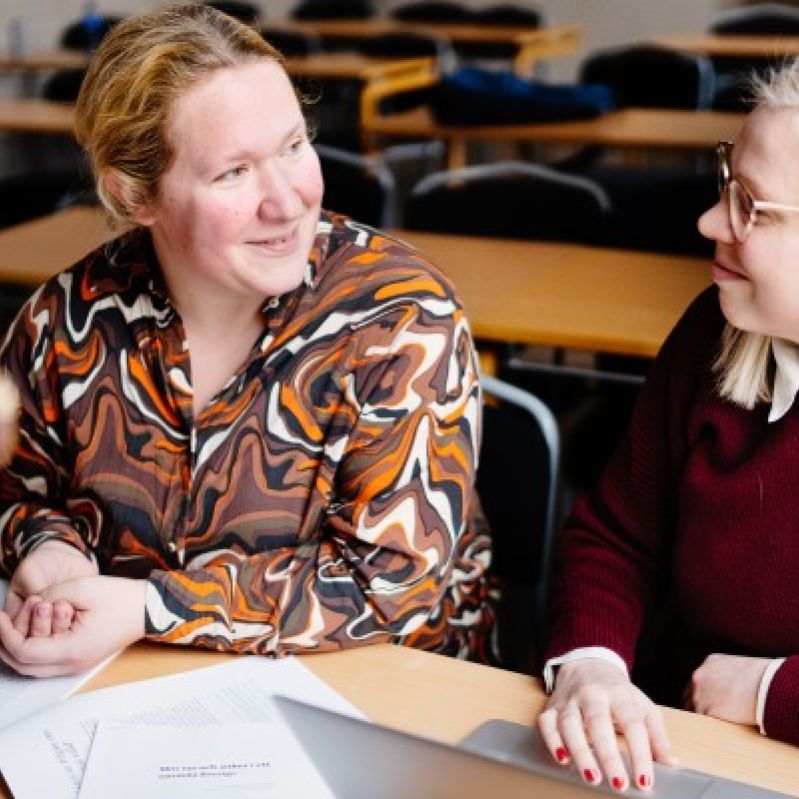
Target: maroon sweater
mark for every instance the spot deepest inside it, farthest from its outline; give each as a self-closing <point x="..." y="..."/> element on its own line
<point x="697" y="513"/>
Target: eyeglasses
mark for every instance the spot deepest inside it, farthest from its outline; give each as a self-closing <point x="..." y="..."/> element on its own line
<point x="742" y="207"/>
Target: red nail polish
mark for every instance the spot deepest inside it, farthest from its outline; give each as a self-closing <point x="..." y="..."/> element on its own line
<point x="643" y="781"/>
<point x="588" y="774"/>
<point x="617" y="783"/>
<point x="561" y="754"/>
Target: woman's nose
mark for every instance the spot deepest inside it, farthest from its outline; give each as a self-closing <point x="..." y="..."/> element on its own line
<point x="280" y="199"/>
<point x="714" y="224"/>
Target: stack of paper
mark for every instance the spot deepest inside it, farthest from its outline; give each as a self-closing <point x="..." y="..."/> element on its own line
<point x="206" y="733"/>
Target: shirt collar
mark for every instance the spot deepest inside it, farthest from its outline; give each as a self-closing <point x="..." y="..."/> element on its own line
<point x="786" y="377"/>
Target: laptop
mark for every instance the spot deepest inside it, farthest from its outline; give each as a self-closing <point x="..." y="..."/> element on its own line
<point x="501" y="760"/>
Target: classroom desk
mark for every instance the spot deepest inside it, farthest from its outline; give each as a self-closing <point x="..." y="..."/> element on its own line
<point x="34" y="115"/>
<point x="533" y="44"/>
<point x="562" y="295"/>
<point x="30" y="115"/>
<point x="43" y="61"/>
<point x="732" y="46"/>
<point x="444" y="698"/>
<point x="631" y="128"/>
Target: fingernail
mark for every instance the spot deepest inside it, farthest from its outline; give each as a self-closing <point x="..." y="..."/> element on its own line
<point x="589" y="775"/>
<point x="42" y="610"/>
<point x="561" y="754"/>
<point x="643" y="780"/>
<point x="617" y="783"/>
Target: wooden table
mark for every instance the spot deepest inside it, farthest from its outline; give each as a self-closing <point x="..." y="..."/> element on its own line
<point x="36" y="116"/>
<point x="562" y="295"/>
<point x="632" y="128"/>
<point x="44" y="61"/>
<point x="436" y="696"/>
<point x="732" y="46"/>
<point x="533" y="44"/>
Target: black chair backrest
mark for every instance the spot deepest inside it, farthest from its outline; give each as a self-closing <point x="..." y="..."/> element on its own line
<point x="517" y="482"/>
<point x="511" y="200"/>
<point x="764" y="19"/>
<point x="358" y="186"/>
<point x="292" y="43"/>
<point x="248" y="13"/>
<point x="436" y="11"/>
<point x="87" y="33"/>
<point x="334" y="9"/>
<point x="402" y="43"/>
<point x="652" y="77"/>
<point x="64" y="85"/>
<point x="29" y="195"/>
<point x="508" y="15"/>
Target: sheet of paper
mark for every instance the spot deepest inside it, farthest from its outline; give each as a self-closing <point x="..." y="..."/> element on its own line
<point x="46" y="754"/>
<point x="20" y="696"/>
<point x="131" y="761"/>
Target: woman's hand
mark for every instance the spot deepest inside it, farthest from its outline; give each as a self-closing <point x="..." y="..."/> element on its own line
<point x="726" y="686"/>
<point x="109" y="615"/>
<point x="592" y="699"/>
<point x="50" y="563"/>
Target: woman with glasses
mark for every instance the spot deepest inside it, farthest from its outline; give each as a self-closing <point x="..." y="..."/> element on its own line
<point x="692" y="535"/>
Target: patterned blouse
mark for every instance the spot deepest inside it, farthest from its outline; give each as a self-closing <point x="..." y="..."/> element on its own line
<point x="323" y="499"/>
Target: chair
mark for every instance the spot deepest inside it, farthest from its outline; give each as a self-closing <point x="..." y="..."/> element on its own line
<point x="333" y="9"/>
<point x="408" y="44"/>
<point x="504" y="15"/>
<point x="652" y="77"/>
<point x="29" y="195"/>
<point x="517" y="482"/>
<point x="511" y="200"/>
<point x="88" y="32"/>
<point x="63" y="86"/>
<point x="765" y="19"/>
<point x="292" y="44"/>
<point x="436" y="11"/>
<point x="248" y="13"/>
<point x="358" y="186"/>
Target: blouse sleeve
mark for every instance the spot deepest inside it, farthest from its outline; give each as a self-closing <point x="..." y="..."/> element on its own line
<point x="383" y="554"/>
<point x="35" y="504"/>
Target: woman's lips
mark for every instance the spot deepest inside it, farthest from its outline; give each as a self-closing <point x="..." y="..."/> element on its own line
<point x="723" y="273"/>
<point x="278" y="245"/>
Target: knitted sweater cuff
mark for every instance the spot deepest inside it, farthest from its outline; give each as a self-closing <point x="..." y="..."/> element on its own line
<point x="780" y="719"/>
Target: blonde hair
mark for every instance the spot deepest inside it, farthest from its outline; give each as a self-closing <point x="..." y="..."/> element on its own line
<point x="143" y="65"/>
<point x="743" y="364"/>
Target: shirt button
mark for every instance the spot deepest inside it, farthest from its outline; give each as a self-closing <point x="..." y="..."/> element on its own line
<point x="172" y="546"/>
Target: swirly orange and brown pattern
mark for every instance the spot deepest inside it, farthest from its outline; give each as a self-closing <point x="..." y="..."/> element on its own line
<point x="323" y="499"/>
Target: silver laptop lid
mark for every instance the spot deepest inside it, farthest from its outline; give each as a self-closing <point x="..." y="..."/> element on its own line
<point x="360" y="760"/>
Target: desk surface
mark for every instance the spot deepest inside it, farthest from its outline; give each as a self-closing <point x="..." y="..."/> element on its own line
<point x="456" y="32"/>
<point x="35" y="116"/>
<point x="629" y="128"/>
<point x="734" y="46"/>
<point x="527" y="292"/>
<point x="444" y="698"/>
<point x="45" y="60"/>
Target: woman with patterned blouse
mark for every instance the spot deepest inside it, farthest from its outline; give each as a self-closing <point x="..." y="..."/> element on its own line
<point x="258" y="421"/>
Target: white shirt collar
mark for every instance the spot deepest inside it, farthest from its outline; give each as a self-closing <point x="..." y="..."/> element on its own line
<point x="786" y="378"/>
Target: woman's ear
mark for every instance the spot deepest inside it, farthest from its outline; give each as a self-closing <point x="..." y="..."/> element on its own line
<point x="126" y="196"/>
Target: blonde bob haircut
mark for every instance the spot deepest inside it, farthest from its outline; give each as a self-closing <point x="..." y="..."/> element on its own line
<point x="143" y="65"/>
<point x="743" y="365"/>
